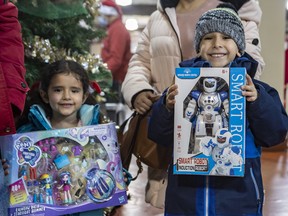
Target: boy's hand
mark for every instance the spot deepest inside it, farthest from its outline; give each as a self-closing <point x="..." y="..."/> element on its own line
<point x="249" y="91"/>
<point x="5" y="166"/>
<point x="170" y="96"/>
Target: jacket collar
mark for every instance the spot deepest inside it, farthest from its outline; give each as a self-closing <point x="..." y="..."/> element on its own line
<point x="163" y="4"/>
<point x="38" y="117"/>
<point x="89" y="114"/>
<point x="244" y="61"/>
<point x="168" y="3"/>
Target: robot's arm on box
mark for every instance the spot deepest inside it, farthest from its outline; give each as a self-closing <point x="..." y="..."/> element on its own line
<point x="226" y="106"/>
<point x="192" y="106"/>
<point x="234" y="155"/>
<point x="207" y="145"/>
<point x="225" y="102"/>
<point x="190" y="109"/>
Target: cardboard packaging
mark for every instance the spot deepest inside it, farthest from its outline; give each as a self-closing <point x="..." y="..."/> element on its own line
<point x="64" y="171"/>
<point x="209" y="129"/>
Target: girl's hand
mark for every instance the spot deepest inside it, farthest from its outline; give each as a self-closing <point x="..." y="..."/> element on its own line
<point x="5" y="167"/>
<point x="249" y="91"/>
<point x="127" y="177"/>
<point x="170" y="96"/>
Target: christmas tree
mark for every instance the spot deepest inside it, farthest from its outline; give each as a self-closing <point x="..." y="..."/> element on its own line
<point x="61" y="29"/>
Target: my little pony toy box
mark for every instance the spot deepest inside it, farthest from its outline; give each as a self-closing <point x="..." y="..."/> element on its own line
<point x="209" y="123"/>
<point x="64" y="171"/>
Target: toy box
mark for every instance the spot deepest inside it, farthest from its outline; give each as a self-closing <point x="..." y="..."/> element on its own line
<point x="64" y="171"/>
<point x="209" y="129"/>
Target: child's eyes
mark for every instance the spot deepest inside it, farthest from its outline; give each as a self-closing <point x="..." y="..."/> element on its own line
<point x="57" y="90"/>
<point x="226" y="37"/>
<point x="75" y="90"/>
<point x="207" y="38"/>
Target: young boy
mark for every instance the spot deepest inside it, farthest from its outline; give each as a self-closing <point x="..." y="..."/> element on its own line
<point x="220" y="42"/>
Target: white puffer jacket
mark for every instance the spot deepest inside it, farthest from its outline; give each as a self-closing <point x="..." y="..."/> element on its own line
<point x="159" y="50"/>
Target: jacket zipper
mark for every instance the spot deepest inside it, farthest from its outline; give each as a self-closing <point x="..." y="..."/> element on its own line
<point x="257" y="191"/>
<point x="207" y="197"/>
<point x="178" y="39"/>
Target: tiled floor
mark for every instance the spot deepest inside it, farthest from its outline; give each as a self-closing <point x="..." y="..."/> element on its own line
<point x="136" y="205"/>
<point x="275" y="177"/>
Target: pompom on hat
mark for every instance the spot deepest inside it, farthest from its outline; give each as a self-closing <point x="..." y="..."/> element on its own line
<point x="110" y="8"/>
<point x="223" y="19"/>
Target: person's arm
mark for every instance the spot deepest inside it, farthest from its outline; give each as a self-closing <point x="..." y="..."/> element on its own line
<point x="251" y="14"/>
<point x="117" y="43"/>
<point x="12" y="55"/>
<point x="253" y="46"/>
<point x="267" y="117"/>
<point x="161" y="123"/>
<point x="237" y="3"/>
<point x="138" y="77"/>
<point x="5" y="166"/>
<point x="12" y="71"/>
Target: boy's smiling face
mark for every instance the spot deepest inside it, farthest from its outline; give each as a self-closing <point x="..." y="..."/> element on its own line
<point x="218" y="49"/>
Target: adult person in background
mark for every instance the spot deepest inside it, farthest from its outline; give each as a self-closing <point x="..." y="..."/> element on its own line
<point x="13" y="87"/>
<point x="115" y="50"/>
<point x="165" y="42"/>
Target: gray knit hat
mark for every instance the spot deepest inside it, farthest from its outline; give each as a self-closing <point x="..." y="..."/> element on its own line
<point x="223" y="20"/>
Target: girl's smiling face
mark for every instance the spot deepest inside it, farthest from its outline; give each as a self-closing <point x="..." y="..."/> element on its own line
<point x="218" y="49"/>
<point x="65" y="96"/>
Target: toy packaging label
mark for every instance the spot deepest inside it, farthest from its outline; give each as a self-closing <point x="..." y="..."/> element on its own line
<point x="209" y="122"/>
<point x="64" y="171"/>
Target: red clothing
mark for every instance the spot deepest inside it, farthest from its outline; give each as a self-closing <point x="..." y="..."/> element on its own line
<point x="13" y="87"/>
<point x="116" y="50"/>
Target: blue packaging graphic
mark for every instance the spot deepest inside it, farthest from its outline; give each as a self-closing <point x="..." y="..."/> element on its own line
<point x="63" y="171"/>
<point x="209" y="122"/>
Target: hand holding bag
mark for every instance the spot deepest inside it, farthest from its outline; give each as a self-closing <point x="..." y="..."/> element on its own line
<point x="135" y="141"/>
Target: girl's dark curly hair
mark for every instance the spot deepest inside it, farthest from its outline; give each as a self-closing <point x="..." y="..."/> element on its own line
<point x="67" y="67"/>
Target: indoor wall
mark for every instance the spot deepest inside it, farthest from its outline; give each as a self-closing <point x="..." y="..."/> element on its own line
<point x="272" y="34"/>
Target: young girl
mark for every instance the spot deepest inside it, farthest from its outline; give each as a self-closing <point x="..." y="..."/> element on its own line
<point x="219" y="41"/>
<point x="61" y="102"/>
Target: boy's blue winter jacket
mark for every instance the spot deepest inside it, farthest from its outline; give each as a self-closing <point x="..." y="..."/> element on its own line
<point x="267" y="125"/>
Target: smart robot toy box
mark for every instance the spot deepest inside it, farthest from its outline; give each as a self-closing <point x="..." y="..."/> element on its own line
<point x="64" y="171"/>
<point x="209" y="129"/>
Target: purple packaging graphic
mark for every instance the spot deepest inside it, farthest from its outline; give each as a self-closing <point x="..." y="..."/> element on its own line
<point x="64" y="171"/>
<point x="209" y="122"/>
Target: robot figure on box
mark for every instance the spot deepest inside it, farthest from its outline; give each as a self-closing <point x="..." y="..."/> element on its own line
<point x="223" y="153"/>
<point x="207" y="110"/>
<point x="65" y="180"/>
